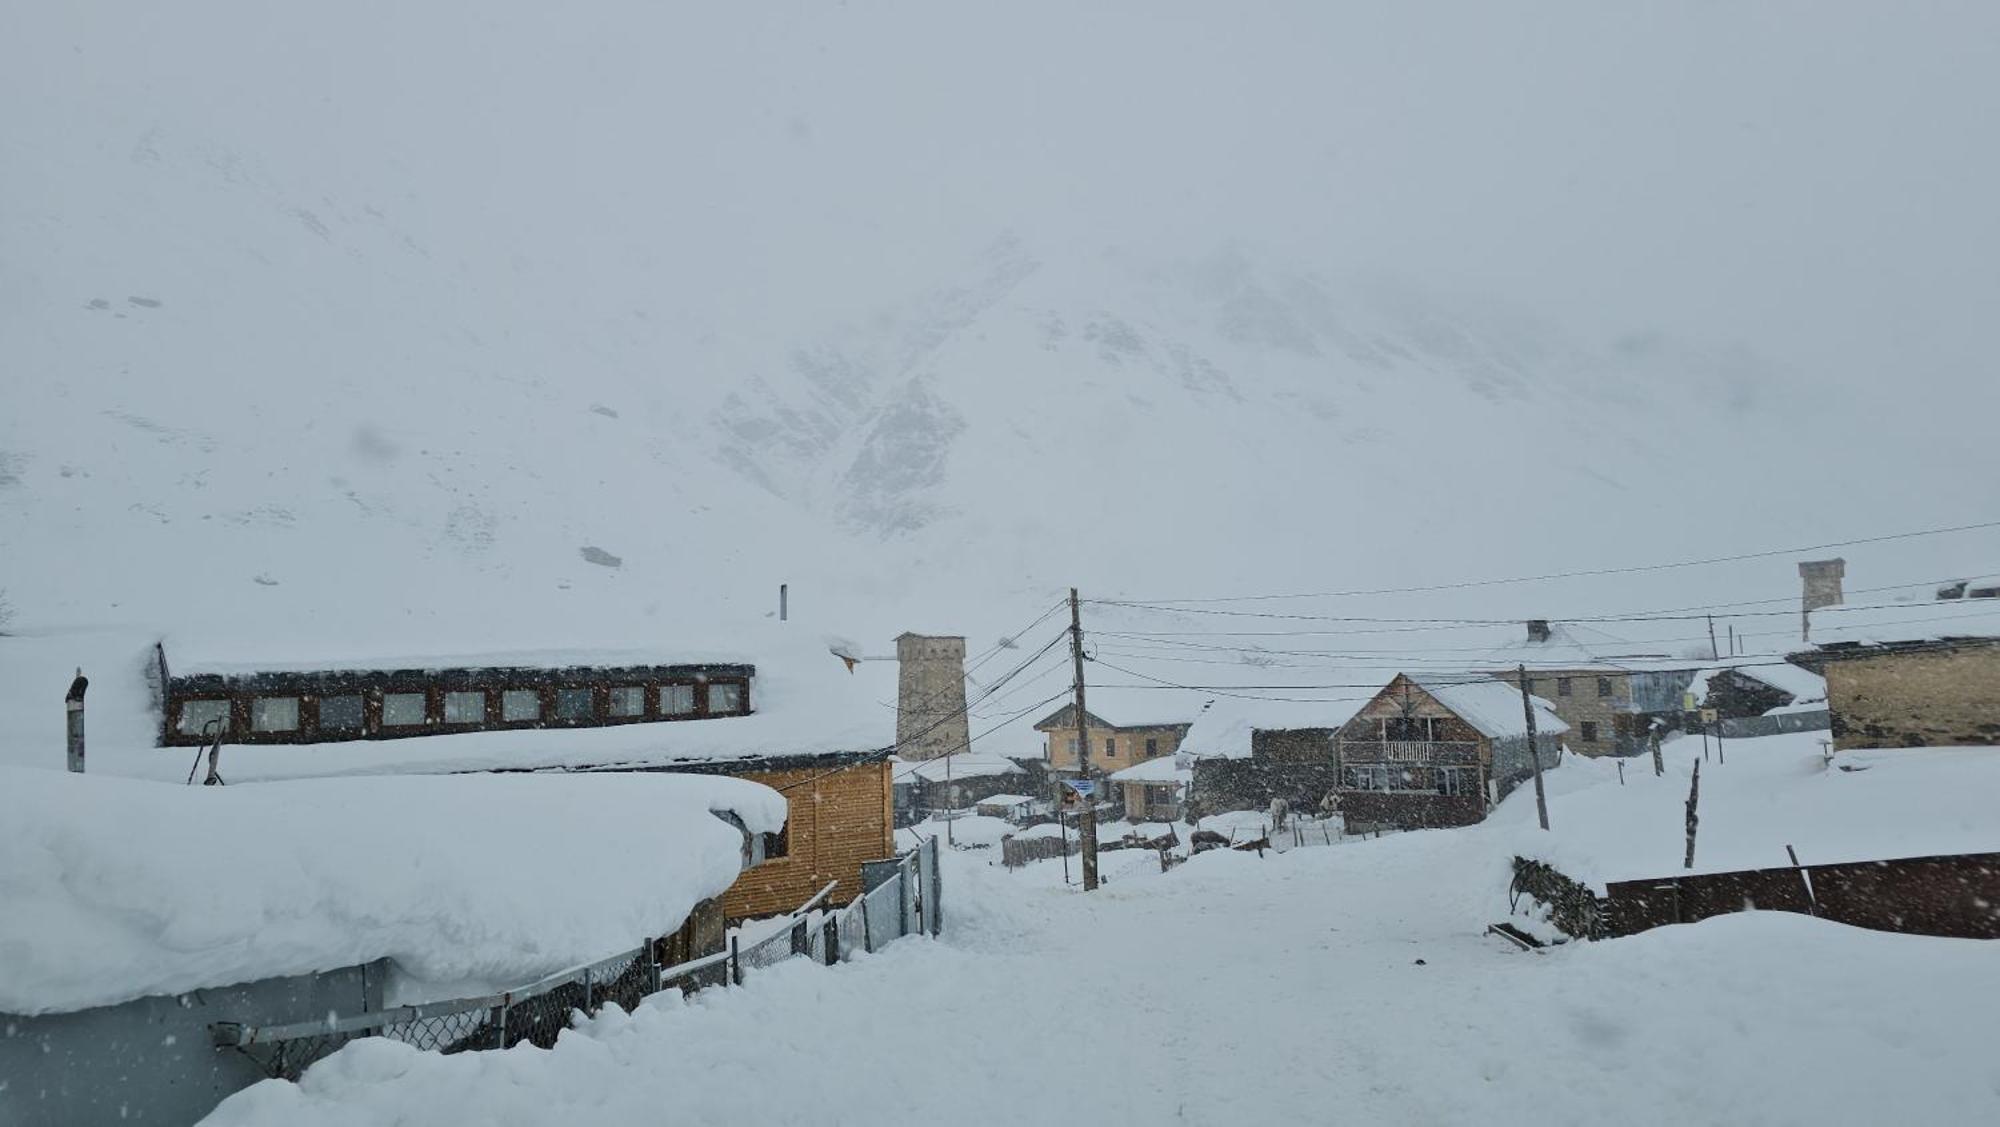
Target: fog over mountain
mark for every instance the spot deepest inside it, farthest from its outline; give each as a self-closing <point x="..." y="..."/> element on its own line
<point x="935" y="312"/>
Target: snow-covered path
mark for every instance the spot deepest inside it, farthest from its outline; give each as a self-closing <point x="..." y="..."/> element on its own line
<point x="1246" y="990"/>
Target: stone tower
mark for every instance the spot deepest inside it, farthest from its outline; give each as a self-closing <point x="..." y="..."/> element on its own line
<point x="930" y="696"/>
<point x="1822" y="589"/>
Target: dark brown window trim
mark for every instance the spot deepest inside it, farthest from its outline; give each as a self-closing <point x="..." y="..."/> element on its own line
<point x="373" y="686"/>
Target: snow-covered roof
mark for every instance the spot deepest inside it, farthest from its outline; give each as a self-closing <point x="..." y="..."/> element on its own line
<point x="1578" y="647"/>
<point x="964" y="765"/>
<point x="807" y="703"/>
<point x="1492" y="707"/>
<point x="1161" y="769"/>
<point x="1223" y="726"/>
<point x="1802" y="684"/>
<point x="118" y="888"/>
<point x="1892" y="623"/>
<point x="1005" y="800"/>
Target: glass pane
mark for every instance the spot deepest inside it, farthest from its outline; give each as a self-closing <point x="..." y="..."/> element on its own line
<point x="340" y="714"/>
<point x="465" y="708"/>
<point x="402" y="710"/>
<point x="574" y="704"/>
<point x="521" y="704"/>
<point x="196" y="715"/>
<point x="729" y="698"/>
<point x="676" y="700"/>
<point x="628" y="700"/>
<point x="274" y="714"/>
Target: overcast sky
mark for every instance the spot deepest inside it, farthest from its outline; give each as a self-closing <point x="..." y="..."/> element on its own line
<point x="1814" y="178"/>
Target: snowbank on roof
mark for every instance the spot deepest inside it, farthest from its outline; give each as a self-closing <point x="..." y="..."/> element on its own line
<point x="1493" y="707"/>
<point x="1765" y="794"/>
<point x="806" y="702"/>
<point x="965" y="765"/>
<point x="1906" y="622"/>
<point x="117" y="889"/>
<point x="1222" y="728"/>
<point x="1804" y="685"/>
<point x="1163" y="769"/>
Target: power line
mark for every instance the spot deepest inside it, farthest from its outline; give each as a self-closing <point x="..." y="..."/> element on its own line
<point x="970" y="740"/>
<point x="1422" y="623"/>
<point x="1585" y="573"/>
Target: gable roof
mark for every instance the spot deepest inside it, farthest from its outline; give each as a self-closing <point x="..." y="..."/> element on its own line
<point x="1065" y="717"/>
<point x="1493" y="708"/>
<point x="1572" y="647"/>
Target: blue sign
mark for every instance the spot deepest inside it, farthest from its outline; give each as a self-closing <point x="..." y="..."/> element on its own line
<point x="1081" y="786"/>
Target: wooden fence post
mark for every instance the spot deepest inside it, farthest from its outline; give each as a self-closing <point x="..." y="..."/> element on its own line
<point x="1694" y="797"/>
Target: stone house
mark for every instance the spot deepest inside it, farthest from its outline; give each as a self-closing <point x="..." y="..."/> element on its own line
<point x="1155" y="790"/>
<point x="1112" y="746"/>
<point x="1610" y="700"/>
<point x="1430" y="752"/>
<point x="1893" y="682"/>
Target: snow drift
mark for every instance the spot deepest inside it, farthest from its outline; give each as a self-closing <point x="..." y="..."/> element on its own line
<point x="117" y="889"/>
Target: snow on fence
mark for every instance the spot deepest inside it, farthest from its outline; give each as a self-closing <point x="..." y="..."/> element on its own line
<point x="905" y="899"/>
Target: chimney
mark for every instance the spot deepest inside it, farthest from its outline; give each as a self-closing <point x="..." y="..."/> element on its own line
<point x="1538" y="630"/>
<point x="930" y="696"/>
<point x="1822" y="589"/>
<point x="784" y="601"/>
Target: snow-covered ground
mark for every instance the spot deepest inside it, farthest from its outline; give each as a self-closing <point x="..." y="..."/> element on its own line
<point x="1329" y="985"/>
<point x="1759" y="796"/>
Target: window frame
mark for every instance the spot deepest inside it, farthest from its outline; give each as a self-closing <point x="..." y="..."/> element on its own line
<point x="485" y="707"/>
<point x="1603" y="687"/>
<point x="1563" y="687"/>
<point x="360" y="724"/>
<point x="1587" y="731"/>
<point x="558" y="693"/>
<point x="612" y="716"/>
<point x="534" y="693"/>
<point x="422" y="695"/>
<point x="180" y="709"/>
<point x="298" y="712"/>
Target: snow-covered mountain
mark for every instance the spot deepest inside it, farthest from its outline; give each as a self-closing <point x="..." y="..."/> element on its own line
<point x="389" y="320"/>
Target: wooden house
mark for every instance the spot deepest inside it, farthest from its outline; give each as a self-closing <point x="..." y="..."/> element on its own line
<point x="824" y="743"/>
<point x="1427" y="752"/>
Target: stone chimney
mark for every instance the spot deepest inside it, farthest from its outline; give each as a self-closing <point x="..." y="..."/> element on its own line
<point x="930" y="696"/>
<point x="1538" y="630"/>
<point x="1822" y="589"/>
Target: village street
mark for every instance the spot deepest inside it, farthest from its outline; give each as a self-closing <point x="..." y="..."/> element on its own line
<point x="1345" y="984"/>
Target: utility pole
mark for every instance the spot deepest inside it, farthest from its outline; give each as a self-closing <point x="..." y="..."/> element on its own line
<point x="1713" y="653"/>
<point x="951" y="803"/>
<point x="1693" y="819"/>
<point x="1528" y="710"/>
<point x="1087" y="823"/>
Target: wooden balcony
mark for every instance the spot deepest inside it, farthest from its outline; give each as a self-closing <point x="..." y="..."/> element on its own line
<point x="1424" y="753"/>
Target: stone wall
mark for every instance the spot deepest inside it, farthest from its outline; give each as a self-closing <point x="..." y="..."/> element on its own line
<point x="1608" y="713"/>
<point x="1936" y="696"/>
<point x="1114" y="748"/>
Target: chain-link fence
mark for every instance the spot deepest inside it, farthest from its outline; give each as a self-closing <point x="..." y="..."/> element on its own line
<point x="904" y="898"/>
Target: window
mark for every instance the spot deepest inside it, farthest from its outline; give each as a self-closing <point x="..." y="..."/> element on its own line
<point x="1418" y="728"/>
<point x="197" y="715"/>
<point x="402" y="710"/>
<point x="1368" y="778"/>
<point x="1152" y="748"/>
<point x="1456" y="780"/>
<point x="725" y="697"/>
<point x="517" y="705"/>
<point x="340" y="714"/>
<point x="776" y="845"/>
<point x="1562" y="686"/>
<point x="465" y="708"/>
<point x="676" y="700"/>
<point x="1589" y="731"/>
<point x="1604" y="686"/>
<point x="1072" y="747"/>
<point x="575" y="704"/>
<point x="274" y="714"/>
<point x="1110" y="747"/>
<point x="628" y="700"/>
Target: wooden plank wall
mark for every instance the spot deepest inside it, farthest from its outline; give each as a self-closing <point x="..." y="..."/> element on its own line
<point x="837" y="820"/>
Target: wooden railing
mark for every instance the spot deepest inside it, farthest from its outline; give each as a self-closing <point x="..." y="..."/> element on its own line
<point x="1420" y="752"/>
